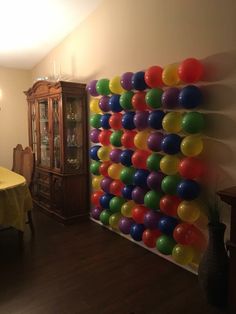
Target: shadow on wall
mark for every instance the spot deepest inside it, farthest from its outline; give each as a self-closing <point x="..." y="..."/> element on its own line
<point x="219" y="126"/>
<point x="219" y="66"/>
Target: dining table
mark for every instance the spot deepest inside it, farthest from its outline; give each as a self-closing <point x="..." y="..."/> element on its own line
<point x="15" y="199"/>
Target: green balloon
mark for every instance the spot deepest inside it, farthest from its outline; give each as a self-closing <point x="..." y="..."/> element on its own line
<point x="193" y="122"/>
<point x="104" y="217"/>
<point x="102" y="87"/>
<point x="152" y="199"/>
<point x="165" y="244"/>
<point x="115" y="138"/>
<point x="153" y="97"/>
<point x="94" y="168"/>
<point x="126" y="100"/>
<point x="95" y="120"/>
<point x="116" y="203"/>
<point x="153" y="162"/>
<point x="169" y="184"/>
<point x="127" y="175"/>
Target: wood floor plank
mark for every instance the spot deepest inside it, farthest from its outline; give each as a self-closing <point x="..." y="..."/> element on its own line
<point x="86" y="269"/>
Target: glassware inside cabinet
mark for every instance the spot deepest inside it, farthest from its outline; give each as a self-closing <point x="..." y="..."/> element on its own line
<point x="73" y="133"/>
<point x="56" y="135"/>
<point x="44" y="136"/>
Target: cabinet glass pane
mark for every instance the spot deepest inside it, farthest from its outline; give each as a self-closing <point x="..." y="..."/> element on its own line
<point x="74" y="133"/>
<point x="44" y="136"/>
<point x="56" y="135"/>
<point x="34" y="130"/>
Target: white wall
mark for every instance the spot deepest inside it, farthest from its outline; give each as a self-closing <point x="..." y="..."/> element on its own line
<point x="13" y="112"/>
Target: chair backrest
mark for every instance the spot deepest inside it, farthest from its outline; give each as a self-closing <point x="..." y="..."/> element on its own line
<point x="27" y="164"/>
<point x="17" y="152"/>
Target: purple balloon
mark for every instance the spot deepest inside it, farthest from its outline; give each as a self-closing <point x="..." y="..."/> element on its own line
<point x="141" y="119"/>
<point x="94" y="134"/>
<point x="126" y="80"/>
<point x="154" y="180"/>
<point x="125" y="224"/>
<point x="105" y="184"/>
<point x="138" y="195"/>
<point x="91" y="88"/>
<point x="104" y="103"/>
<point x="151" y="219"/>
<point x="170" y="97"/>
<point x="154" y="141"/>
<point x="95" y="213"/>
<point x="115" y="155"/>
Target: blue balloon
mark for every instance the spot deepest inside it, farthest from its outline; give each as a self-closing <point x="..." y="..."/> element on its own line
<point x="105" y="200"/>
<point x="105" y="121"/>
<point x="155" y="119"/>
<point x="136" y="231"/>
<point x="167" y="225"/>
<point x="138" y="81"/>
<point x="171" y="144"/>
<point x="188" y="190"/>
<point x="126" y="157"/>
<point x="127" y="191"/>
<point x="190" y="97"/>
<point x="128" y="120"/>
<point x="140" y="177"/>
<point x="114" y="103"/>
<point x="94" y="152"/>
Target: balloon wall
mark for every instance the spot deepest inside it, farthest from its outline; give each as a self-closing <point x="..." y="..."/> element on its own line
<point x="146" y="161"/>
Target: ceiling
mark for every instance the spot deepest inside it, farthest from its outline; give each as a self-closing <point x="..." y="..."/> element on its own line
<point x="30" y="29"/>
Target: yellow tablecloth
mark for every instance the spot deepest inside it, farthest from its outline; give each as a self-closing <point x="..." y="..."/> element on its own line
<point x="15" y="199"/>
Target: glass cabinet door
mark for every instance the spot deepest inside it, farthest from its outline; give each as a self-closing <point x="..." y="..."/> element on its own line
<point x="56" y="134"/>
<point x="74" y="133"/>
<point x="34" y="130"/>
<point x="44" y="135"/>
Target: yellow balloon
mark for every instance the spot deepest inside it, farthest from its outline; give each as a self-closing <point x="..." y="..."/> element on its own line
<point x="115" y="86"/>
<point x="172" y="122"/>
<point x="189" y="211"/>
<point x="96" y="182"/>
<point x="183" y="254"/>
<point x="140" y="139"/>
<point x="191" y="145"/>
<point x="170" y="75"/>
<point x="114" y="171"/>
<point x="169" y="164"/>
<point x="94" y="105"/>
<point x="103" y="153"/>
<point x="126" y="208"/>
<point x="114" y="220"/>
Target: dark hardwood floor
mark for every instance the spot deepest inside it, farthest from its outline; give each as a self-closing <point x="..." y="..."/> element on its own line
<point x="86" y="269"/>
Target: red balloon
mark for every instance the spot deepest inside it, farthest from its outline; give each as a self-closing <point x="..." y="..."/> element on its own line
<point x="104" y="137"/>
<point x="139" y="159"/>
<point x="115" y="121"/>
<point x="104" y="167"/>
<point x="169" y="204"/>
<point x="153" y="76"/>
<point x="116" y="187"/>
<point x="191" y="168"/>
<point x="196" y="238"/>
<point x="190" y="70"/>
<point x="138" y="213"/>
<point x="138" y="101"/>
<point x="149" y="237"/>
<point x="180" y="233"/>
<point x="127" y="139"/>
<point x="95" y="198"/>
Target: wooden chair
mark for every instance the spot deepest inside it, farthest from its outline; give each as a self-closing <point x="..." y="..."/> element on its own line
<point x="23" y="164"/>
<point x="17" y="152"/>
<point x="27" y="171"/>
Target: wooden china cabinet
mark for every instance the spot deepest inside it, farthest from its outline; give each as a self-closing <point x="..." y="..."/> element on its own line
<point x="57" y="113"/>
